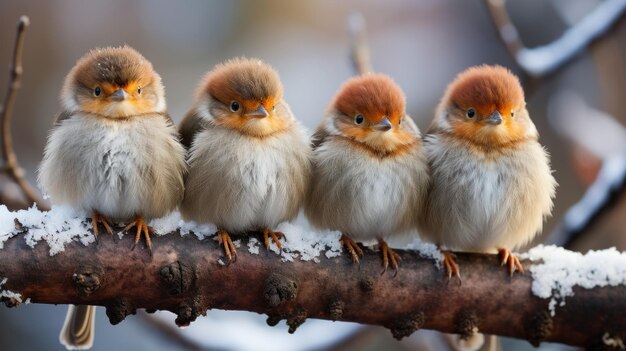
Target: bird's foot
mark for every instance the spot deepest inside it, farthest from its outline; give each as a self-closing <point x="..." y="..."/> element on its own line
<point x="98" y="218"/>
<point x="388" y="255"/>
<point x="352" y="247"/>
<point x="142" y="229"/>
<point x="229" y="248"/>
<point x="452" y="268"/>
<point x="276" y="236"/>
<point x="508" y="258"/>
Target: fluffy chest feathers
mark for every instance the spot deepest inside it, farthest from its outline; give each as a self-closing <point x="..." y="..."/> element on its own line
<point x="117" y="168"/>
<point x="244" y="183"/>
<point x="363" y="195"/>
<point x="480" y="201"/>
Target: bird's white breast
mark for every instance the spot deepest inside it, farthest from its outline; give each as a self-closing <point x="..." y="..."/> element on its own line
<point x="481" y="202"/>
<point x="364" y="196"/>
<point x="118" y="168"/>
<point x="245" y="183"/>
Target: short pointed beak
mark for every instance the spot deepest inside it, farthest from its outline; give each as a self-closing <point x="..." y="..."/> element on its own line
<point x="119" y="95"/>
<point x="495" y="118"/>
<point x="260" y="112"/>
<point x="384" y="125"/>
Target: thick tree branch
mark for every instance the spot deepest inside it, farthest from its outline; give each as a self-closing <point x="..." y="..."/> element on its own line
<point x="187" y="276"/>
<point x="11" y="166"/>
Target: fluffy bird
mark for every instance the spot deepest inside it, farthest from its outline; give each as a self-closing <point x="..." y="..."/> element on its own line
<point x="249" y="158"/>
<point x="492" y="186"/>
<point x="370" y="173"/>
<point x="113" y="152"/>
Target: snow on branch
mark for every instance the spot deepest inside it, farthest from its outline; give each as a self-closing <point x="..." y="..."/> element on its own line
<point x="51" y="257"/>
<point x="543" y="60"/>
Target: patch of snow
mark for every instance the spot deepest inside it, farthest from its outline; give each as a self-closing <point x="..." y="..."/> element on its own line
<point x="306" y="245"/>
<point x="10" y="294"/>
<point x="253" y="246"/>
<point x="556" y="271"/>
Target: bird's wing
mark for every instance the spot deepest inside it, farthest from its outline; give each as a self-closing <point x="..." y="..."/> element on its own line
<point x="189" y="126"/>
<point x="168" y="118"/>
<point x="319" y="137"/>
<point x="61" y="116"/>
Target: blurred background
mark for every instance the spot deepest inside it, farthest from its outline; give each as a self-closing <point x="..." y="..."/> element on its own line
<point x="578" y="109"/>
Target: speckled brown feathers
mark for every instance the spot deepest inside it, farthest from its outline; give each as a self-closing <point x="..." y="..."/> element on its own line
<point x="486" y="88"/>
<point x="243" y="78"/>
<point x="373" y="95"/>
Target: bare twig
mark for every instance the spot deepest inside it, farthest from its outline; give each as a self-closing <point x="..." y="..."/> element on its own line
<point x="188" y="276"/>
<point x="11" y="166"/>
<point x="359" y="51"/>
<point x="544" y="60"/>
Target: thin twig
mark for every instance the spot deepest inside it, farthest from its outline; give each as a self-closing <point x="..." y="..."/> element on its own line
<point x="11" y="166"/>
<point x="359" y="51"/>
<point x="543" y="60"/>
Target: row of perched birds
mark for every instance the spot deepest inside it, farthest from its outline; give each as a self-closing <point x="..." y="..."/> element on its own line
<point x="478" y="181"/>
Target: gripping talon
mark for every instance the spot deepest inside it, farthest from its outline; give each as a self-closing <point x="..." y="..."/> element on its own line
<point x="352" y="247"/>
<point x="98" y="218"/>
<point x="229" y="248"/>
<point x="452" y="268"/>
<point x="142" y="229"/>
<point x="512" y="262"/>
<point x="388" y="256"/>
<point x="276" y="236"/>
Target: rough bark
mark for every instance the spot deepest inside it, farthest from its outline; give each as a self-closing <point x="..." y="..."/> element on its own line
<point x="186" y="276"/>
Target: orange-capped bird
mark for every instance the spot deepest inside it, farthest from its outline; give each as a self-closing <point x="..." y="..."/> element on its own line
<point x="492" y="186"/>
<point x="249" y="158"/>
<point x="370" y="174"/>
<point x="113" y="152"/>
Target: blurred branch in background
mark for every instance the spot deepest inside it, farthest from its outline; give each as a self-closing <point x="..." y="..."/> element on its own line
<point x="11" y="167"/>
<point x="543" y="60"/>
<point x="187" y="277"/>
<point x="359" y="50"/>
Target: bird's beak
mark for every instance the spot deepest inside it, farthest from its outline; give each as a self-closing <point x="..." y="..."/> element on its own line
<point x="119" y="95"/>
<point x="384" y="125"/>
<point x="495" y="118"/>
<point x="260" y="112"/>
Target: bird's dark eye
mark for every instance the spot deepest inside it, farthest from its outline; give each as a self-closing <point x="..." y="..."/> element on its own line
<point x="139" y="91"/>
<point x="234" y="106"/>
<point x="471" y="113"/>
<point x="97" y="91"/>
<point x="359" y="119"/>
<point x="274" y="108"/>
<point x="512" y="114"/>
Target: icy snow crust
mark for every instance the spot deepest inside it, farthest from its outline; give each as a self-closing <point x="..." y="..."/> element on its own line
<point x="556" y="271"/>
<point x="62" y="225"/>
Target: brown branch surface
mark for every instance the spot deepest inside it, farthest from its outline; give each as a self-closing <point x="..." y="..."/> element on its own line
<point x="11" y="166"/>
<point x="187" y="276"/>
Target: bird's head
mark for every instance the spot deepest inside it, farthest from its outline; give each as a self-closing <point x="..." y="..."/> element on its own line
<point x="113" y="82"/>
<point x="370" y="110"/>
<point x="244" y="95"/>
<point x="485" y="105"/>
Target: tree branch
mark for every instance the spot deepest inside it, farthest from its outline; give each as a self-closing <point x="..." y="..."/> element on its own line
<point x="544" y="60"/>
<point x="11" y="166"/>
<point x="187" y="276"/>
<point x="359" y="50"/>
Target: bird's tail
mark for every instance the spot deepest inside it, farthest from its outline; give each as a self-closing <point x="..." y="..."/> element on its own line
<point x="78" y="330"/>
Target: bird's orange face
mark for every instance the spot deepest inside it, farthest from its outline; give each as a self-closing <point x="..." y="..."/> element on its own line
<point x="248" y="95"/>
<point x="486" y="107"/>
<point x="371" y="110"/>
<point x="113" y="100"/>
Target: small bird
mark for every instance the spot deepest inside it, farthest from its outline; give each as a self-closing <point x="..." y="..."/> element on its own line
<point x="249" y="158"/>
<point x="113" y="152"/>
<point x="370" y="174"/>
<point x="492" y="186"/>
